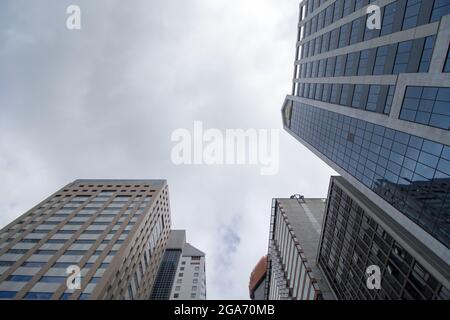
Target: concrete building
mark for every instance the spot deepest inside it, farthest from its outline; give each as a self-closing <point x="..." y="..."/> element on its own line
<point x="182" y="274"/>
<point x="292" y="272"/>
<point x="257" y="284"/>
<point x="114" y="231"/>
<point x="374" y="104"/>
<point x="358" y="234"/>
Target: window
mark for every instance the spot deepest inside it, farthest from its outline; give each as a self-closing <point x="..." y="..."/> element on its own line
<point x="196" y="275"/>
<point x="334" y="39"/>
<point x="440" y="9"/>
<point x="348" y="7"/>
<point x="326" y="92"/>
<point x="363" y="62"/>
<point x="402" y="57"/>
<point x="32" y="264"/>
<point x="427" y="105"/>
<point x="344" y="35"/>
<point x="372" y="99"/>
<point x="52" y="279"/>
<point x="357" y="101"/>
<point x="426" y="54"/>
<point x="389" y="98"/>
<point x="19" y="278"/>
<point x="447" y="61"/>
<point x="177" y="288"/>
<point x="352" y="63"/>
<point x="38" y="295"/>
<point x="340" y="65"/>
<point x="193" y="295"/>
<point x="7" y="294"/>
<point x="388" y="18"/>
<point x="411" y="14"/>
<point x="335" y="89"/>
<point x="380" y="60"/>
<point x="330" y="67"/>
<point x="346" y="94"/>
<point x="194" y="288"/>
<point x="358" y="27"/>
<point x="176" y="295"/>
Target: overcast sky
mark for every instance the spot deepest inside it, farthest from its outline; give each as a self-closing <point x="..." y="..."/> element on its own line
<point x="102" y="102"/>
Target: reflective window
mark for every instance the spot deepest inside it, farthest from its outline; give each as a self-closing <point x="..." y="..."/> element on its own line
<point x="440" y="9"/>
<point x="426" y="54"/>
<point x="402" y="57"/>
<point x="411" y="14"/>
<point x="427" y="105"/>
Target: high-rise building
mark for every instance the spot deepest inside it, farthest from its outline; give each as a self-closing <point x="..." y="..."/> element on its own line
<point x="114" y="231"/>
<point x="292" y="271"/>
<point x="357" y="234"/>
<point x="257" y="282"/>
<point x="374" y="104"/>
<point x="182" y="273"/>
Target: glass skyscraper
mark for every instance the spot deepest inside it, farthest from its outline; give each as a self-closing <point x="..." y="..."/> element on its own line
<point x="374" y="104"/>
<point x="114" y="231"/>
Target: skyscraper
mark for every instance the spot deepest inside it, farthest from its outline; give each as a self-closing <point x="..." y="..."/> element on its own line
<point x="114" y="231"/>
<point x="182" y="273"/>
<point x="374" y="104"/>
<point x="357" y="234"/>
<point x="257" y="282"/>
<point x="292" y="272"/>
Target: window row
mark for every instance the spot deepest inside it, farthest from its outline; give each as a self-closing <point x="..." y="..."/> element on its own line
<point x="410" y="56"/>
<point x="375" y="98"/>
<point x="397" y="16"/>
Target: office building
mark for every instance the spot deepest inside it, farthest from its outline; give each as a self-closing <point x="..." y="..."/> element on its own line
<point x="257" y="282"/>
<point x="357" y="234"/>
<point x="114" y="231"/>
<point x="374" y="104"/>
<point x="182" y="273"/>
<point x="292" y="271"/>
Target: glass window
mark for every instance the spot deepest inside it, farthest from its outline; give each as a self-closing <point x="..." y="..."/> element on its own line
<point x="427" y="105"/>
<point x="426" y="54"/>
<point x="340" y="65"/>
<point x="38" y="295"/>
<point x="402" y="57"/>
<point x="388" y="18"/>
<point x="344" y="35"/>
<point x="372" y="99"/>
<point x="19" y="278"/>
<point x="7" y="294"/>
<point x="357" y="101"/>
<point x="411" y="14"/>
<point x="447" y="61"/>
<point x="440" y="9"/>
<point x="380" y="60"/>
<point x="363" y="62"/>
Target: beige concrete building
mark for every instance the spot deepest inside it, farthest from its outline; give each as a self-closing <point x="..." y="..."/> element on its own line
<point x="114" y="231"/>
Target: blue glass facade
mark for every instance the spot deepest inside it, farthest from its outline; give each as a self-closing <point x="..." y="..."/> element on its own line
<point x="410" y="173"/>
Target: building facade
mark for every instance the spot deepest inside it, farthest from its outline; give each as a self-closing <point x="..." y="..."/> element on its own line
<point x="374" y="104"/>
<point x="292" y="272"/>
<point x="357" y="234"/>
<point x="182" y="275"/>
<point x="114" y="231"/>
<point x="257" y="284"/>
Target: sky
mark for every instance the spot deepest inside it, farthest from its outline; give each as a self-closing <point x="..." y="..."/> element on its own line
<point x="103" y="102"/>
